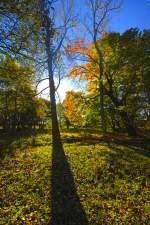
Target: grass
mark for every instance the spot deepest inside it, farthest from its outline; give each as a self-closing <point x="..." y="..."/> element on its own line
<point x="111" y="181"/>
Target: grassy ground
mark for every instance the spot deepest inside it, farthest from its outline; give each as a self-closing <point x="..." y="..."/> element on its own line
<point x="104" y="182"/>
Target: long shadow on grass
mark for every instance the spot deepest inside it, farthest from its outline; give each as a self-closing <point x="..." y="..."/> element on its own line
<point x="66" y="206"/>
<point x="140" y="146"/>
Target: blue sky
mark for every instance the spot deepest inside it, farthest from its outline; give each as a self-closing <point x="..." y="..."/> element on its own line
<point x="133" y="13"/>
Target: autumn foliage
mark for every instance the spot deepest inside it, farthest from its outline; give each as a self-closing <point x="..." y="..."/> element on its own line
<point x="74" y="108"/>
<point x="79" y="46"/>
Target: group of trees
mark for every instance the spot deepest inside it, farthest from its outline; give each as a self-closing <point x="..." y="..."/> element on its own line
<point x="115" y="69"/>
<point x="125" y="80"/>
<point x="19" y="105"/>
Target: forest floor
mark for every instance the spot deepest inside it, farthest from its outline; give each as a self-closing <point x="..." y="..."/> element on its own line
<point x="104" y="179"/>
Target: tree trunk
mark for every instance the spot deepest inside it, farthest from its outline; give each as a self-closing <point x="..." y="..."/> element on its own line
<point x="14" y="119"/>
<point x="6" y="114"/>
<point x="128" y="124"/>
<point x="101" y="89"/>
<point x="67" y="123"/>
<point x="56" y="140"/>
<point x="49" y="32"/>
<point x="113" y="124"/>
<point x="102" y="112"/>
<point x="55" y="127"/>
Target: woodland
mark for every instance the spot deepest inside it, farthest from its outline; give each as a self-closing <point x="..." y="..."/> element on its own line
<point x="83" y="159"/>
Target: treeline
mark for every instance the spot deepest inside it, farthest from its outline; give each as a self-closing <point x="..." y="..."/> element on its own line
<point x="124" y="80"/>
<point x="19" y="105"/>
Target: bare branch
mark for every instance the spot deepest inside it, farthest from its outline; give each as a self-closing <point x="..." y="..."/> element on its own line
<point x="39" y="81"/>
<point x="42" y="90"/>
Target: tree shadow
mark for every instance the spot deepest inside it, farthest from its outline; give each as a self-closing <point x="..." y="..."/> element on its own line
<point x="66" y="206"/>
<point x="139" y="145"/>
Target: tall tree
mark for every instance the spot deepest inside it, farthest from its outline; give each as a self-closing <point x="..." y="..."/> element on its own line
<point x="54" y="38"/>
<point x="43" y="34"/>
<point x="99" y="11"/>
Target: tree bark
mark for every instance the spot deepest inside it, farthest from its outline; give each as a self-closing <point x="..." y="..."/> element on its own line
<point x="56" y="139"/>
<point x="102" y="112"/>
<point x="101" y="89"/>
